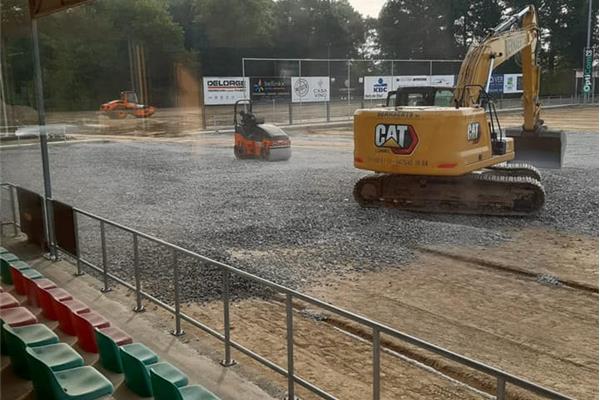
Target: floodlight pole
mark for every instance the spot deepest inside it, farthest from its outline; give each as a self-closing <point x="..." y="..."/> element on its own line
<point x="39" y="91"/>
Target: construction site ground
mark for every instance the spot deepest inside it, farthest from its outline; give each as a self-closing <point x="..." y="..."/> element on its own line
<point x="520" y="294"/>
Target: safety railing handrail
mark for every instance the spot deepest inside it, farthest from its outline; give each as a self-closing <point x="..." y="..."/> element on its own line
<point x="502" y="377"/>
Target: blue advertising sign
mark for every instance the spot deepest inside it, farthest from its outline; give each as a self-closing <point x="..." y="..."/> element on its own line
<point x="496" y="84"/>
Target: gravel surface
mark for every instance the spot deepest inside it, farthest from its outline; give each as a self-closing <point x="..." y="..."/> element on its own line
<point x="290" y="222"/>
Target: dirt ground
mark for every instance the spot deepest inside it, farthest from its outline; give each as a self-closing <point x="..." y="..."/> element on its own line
<point x="543" y="332"/>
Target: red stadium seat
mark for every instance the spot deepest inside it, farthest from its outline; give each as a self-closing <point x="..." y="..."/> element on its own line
<point x="33" y="289"/>
<point x="85" y="325"/>
<point x="64" y="312"/>
<point x="47" y="298"/>
<point x="8" y="301"/>
<point x="17" y="316"/>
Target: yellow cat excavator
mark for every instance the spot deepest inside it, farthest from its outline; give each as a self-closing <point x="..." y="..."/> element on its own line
<point x="443" y="150"/>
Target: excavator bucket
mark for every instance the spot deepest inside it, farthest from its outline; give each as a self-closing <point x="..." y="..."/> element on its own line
<point x="543" y="148"/>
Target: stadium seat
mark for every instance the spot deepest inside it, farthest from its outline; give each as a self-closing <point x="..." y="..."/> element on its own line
<point x="162" y="376"/>
<point x="85" y="325"/>
<point x="57" y="357"/>
<point x="27" y="276"/>
<point x="5" y="259"/>
<point x="64" y="312"/>
<point x="108" y="341"/>
<point x="47" y="298"/>
<point x="15" y="268"/>
<point x="19" y="338"/>
<point x="136" y="358"/>
<point x="8" y="301"/>
<point x="3" y="250"/>
<point x="15" y="316"/>
<point x="33" y="288"/>
<point x="81" y="383"/>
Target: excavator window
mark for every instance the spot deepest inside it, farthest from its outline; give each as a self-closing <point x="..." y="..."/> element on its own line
<point x="443" y="98"/>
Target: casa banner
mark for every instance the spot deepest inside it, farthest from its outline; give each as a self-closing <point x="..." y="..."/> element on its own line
<point x="225" y="90"/>
<point x="39" y="8"/>
<point x="306" y="89"/>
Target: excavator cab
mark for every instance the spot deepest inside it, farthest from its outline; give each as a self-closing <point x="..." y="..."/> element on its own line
<point x="129" y="96"/>
<point x="418" y="96"/>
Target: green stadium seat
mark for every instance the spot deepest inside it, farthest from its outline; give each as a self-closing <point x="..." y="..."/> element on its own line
<point x="80" y="383"/>
<point x="164" y="387"/>
<point x="15" y="268"/>
<point x="136" y="358"/>
<point x="108" y="340"/>
<point x="14" y="316"/>
<point x="19" y="338"/>
<point x="57" y="357"/>
<point x="5" y="259"/>
<point x="7" y="300"/>
<point x="3" y="250"/>
<point x="28" y="276"/>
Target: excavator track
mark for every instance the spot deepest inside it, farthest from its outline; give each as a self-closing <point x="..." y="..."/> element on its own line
<point x="516" y="169"/>
<point x="483" y="192"/>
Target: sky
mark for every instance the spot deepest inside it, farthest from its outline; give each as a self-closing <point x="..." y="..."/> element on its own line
<point x="368" y="8"/>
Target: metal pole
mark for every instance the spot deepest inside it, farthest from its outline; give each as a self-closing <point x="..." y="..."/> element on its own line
<point x="376" y="365"/>
<point x="327" y="111"/>
<point x="290" y="345"/>
<point x="77" y="250"/>
<point x="290" y="112"/>
<point x="139" y="307"/>
<point x="104" y="258"/>
<point x="178" y="331"/>
<point x="13" y="209"/>
<point x="39" y="91"/>
<point x="227" y="362"/>
<point x="244" y="67"/>
<point x="589" y="27"/>
<point x="349" y="63"/>
<point x="500" y="388"/>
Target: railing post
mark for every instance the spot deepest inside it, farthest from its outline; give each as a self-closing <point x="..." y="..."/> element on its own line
<point x="376" y="364"/>
<point x="178" y="331"/>
<point x="11" y="189"/>
<point x="104" y="258"/>
<point x="500" y="388"/>
<point x="290" y="345"/>
<point x="228" y="361"/>
<point x="77" y="250"/>
<point x="139" y="307"/>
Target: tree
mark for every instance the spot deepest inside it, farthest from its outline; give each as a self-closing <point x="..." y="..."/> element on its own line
<point x="470" y="20"/>
<point x="415" y="29"/>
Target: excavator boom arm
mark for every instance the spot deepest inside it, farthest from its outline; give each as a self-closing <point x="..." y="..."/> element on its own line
<point x="518" y="34"/>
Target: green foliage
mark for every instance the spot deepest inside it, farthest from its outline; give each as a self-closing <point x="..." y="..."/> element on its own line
<point x="85" y="50"/>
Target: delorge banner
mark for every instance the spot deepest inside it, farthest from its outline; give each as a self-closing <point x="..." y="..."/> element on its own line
<point x="306" y="89"/>
<point x="225" y="90"/>
<point x="262" y="88"/>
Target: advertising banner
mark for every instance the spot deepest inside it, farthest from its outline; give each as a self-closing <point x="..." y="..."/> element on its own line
<point x="376" y="87"/>
<point x="496" y="84"/>
<point x="262" y="88"/>
<point x="225" y="90"/>
<point x="411" y="80"/>
<point x="442" y="80"/>
<point x="306" y="89"/>
<point x="513" y="83"/>
<point x="588" y="63"/>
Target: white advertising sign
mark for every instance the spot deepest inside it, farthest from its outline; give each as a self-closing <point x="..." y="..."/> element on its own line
<point x="306" y="89"/>
<point x="442" y="80"/>
<point x="376" y="87"/>
<point x="411" y="80"/>
<point x="225" y="90"/>
<point x="513" y="83"/>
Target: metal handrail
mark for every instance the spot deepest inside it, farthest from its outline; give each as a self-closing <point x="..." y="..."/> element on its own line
<point x="502" y="377"/>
